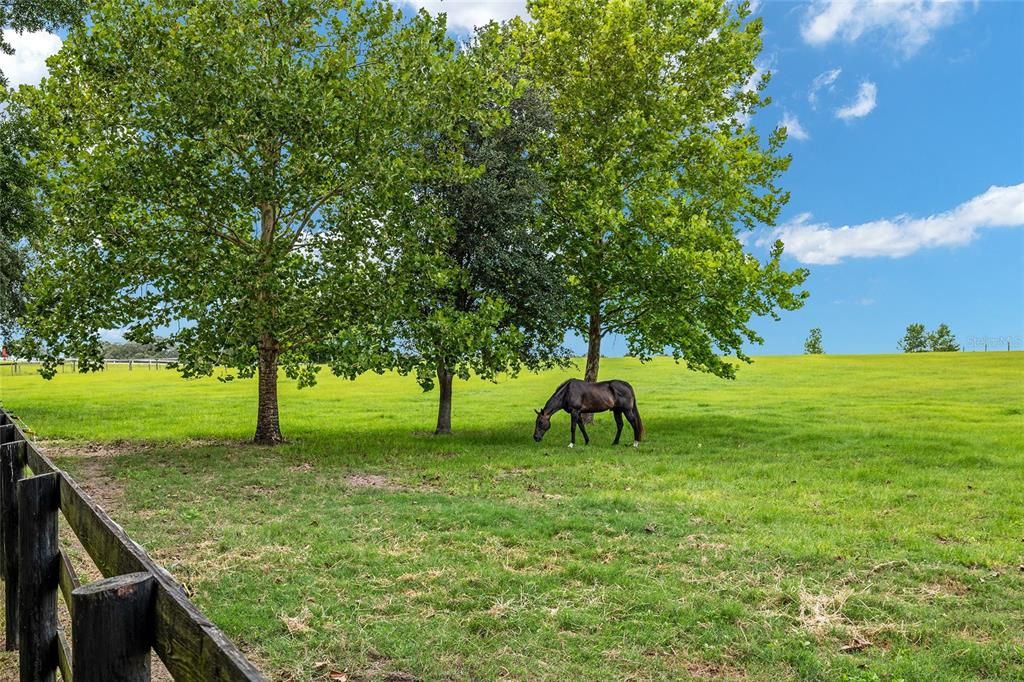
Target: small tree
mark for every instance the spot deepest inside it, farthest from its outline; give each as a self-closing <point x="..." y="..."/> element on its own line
<point x="247" y="168"/>
<point x="812" y="346"/>
<point x="914" y="340"/>
<point x="498" y="302"/>
<point x="942" y="340"/>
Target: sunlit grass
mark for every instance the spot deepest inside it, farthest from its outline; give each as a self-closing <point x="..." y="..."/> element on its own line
<point x="819" y="517"/>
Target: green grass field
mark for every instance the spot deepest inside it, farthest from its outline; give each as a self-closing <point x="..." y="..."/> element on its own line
<point x="819" y="518"/>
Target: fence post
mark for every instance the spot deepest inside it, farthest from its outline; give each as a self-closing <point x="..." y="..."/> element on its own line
<point x="11" y="458"/>
<point x="39" y="574"/>
<point x="112" y="629"/>
<point x="6" y="436"/>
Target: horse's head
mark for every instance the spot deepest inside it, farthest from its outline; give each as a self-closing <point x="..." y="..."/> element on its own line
<point x="543" y="424"/>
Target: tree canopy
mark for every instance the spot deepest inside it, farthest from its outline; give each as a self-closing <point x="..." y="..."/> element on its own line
<point x="655" y="170"/>
<point x="243" y="171"/>
<point x="20" y="214"/>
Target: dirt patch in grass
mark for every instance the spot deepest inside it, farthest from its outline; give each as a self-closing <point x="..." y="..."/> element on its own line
<point x="947" y="587"/>
<point x="686" y="665"/>
<point x="376" y="481"/>
<point x="8" y="659"/>
<point x="119" y="448"/>
<point x="714" y="671"/>
<point x="821" y="614"/>
<point x="381" y="669"/>
<point x="93" y="474"/>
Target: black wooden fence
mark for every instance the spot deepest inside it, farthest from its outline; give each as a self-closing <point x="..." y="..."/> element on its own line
<point x="115" y="622"/>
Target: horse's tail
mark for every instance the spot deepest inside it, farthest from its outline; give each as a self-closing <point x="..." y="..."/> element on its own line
<point x="641" y="431"/>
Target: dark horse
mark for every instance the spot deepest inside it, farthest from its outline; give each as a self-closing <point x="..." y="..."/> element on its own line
<point x="581" y="397"/>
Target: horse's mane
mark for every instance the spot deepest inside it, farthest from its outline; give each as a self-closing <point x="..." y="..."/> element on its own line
<point x="554" y="396"/>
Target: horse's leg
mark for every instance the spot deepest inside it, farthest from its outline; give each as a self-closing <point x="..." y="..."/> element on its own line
<point x="586" y="438"/>
<point x="631" y="415"/>
<point x="572" y="421"/>
<point x="618" y="425"/>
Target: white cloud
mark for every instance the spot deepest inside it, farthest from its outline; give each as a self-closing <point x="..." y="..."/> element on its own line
<point x="28" y="63"/>
<point x="864" y="104"/>
<point x="822" y="80"/>
<point x="464" y="15"/>
<point x="821" y="244"/>
<point x="909" y="24"/>
<point x="792" y="125"/>
<point x="113" y="335"/>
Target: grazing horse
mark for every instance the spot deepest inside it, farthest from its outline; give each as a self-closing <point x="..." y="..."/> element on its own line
<point x="581" y="397"/>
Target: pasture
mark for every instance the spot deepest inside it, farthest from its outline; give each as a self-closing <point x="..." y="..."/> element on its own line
<point x="819" y="518"/>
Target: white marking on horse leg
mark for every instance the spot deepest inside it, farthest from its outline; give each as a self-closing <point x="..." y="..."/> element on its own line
<point x="636" y="444"/>
<point x="571" y="444"/>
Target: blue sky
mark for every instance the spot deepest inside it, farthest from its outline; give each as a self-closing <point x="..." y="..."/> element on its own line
<point x="906" y="122"/>
<point x="946" y="126"/>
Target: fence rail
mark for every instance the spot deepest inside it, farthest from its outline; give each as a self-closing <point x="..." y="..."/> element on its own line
<point x="15" y="364"/>
<point x="114" y="622"/>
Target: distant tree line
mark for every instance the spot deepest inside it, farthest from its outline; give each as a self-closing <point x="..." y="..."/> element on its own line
<point x="917" y="340"/>
<point x="129" y="350"/>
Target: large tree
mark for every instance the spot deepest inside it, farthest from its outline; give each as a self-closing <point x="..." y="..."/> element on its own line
<point x="657" y="170"/>
<point x="236" y="176"/>
<point x="498" y="302"/>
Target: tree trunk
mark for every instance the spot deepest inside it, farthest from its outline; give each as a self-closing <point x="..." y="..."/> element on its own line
<point x="268" y="424"/>
<point x="593" y="347"/>
<point x="593" y="355"/>
<point x="444" y="405"/>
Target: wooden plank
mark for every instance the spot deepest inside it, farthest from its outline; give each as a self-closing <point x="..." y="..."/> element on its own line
<point x="69" y="581"/>
<point x="37" y="462"/>
<point x="38" y="576"/>
<point x="112" y="629"/>
<point x="10" y="474"/>
<point x="64" y="658"/>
